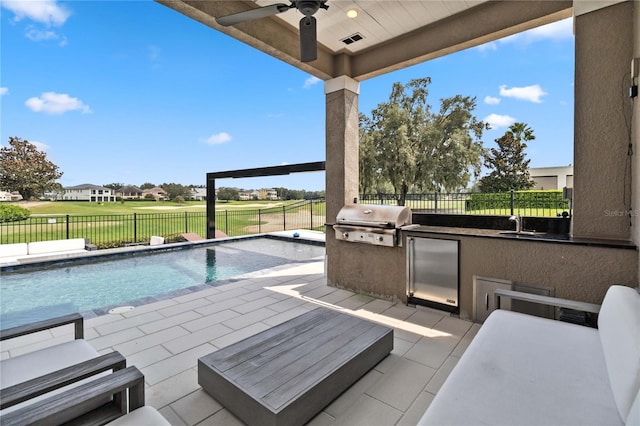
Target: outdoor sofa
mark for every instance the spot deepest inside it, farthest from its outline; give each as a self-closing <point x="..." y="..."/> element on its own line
<point x="521" y="369"/>
<point x="31" y="251"/>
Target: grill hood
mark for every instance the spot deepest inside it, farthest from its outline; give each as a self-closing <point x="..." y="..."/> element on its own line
<point x="371" y="224"/>
<point x="374" y="216"/>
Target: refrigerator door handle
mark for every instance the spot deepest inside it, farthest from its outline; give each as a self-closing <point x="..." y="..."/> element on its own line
<point x="410" y="263"/>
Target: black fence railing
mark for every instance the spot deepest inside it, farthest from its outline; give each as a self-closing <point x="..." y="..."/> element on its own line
<point x="525" y="203"/>
<point x="123" y="229"/>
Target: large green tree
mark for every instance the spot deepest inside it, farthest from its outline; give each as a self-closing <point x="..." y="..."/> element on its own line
<point x="25" y="169"/>
<point x="228" y="194"/>
<point x="407" y="145"/>
<point x="147" y="185"/>
<point x="175" y="190"/>
<point x="508" y="162"/>
<point x="115" y="186"/>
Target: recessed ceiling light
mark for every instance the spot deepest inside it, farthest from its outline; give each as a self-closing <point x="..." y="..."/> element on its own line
<point x="352" y="13"/>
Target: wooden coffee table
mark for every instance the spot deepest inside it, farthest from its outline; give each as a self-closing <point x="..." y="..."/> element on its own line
<point x="289" y="373"/>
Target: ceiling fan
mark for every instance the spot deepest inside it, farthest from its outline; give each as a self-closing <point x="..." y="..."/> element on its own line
<point x="308" y="31"/>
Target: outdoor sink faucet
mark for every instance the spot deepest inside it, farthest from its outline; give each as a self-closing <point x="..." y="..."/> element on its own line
<point x="518" y="221"/>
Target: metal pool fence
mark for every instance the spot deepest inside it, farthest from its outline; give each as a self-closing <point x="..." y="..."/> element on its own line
<point x="123" y="229"/>
<point x="549" y="203"/>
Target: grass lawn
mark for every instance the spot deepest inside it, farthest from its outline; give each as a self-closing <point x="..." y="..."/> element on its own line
<point x="129" y="207"/>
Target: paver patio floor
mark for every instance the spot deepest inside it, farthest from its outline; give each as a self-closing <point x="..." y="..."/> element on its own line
<point x="164" y="340"/>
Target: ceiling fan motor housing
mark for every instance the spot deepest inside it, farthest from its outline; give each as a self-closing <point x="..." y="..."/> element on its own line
<point x="310" y="7"/>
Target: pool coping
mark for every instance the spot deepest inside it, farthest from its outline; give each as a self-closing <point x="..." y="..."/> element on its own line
<point x="78" y="258"/>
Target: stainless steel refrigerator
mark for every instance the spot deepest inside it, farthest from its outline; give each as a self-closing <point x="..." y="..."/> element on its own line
<point x="433" y="272"/>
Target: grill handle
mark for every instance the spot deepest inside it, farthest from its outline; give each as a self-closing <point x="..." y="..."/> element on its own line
<point x="365" y="223"/>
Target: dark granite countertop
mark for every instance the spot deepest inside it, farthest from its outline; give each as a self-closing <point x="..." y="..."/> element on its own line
<point x="536" y="236"/>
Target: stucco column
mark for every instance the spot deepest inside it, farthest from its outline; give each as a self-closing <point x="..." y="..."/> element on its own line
<point x="603" y="51"/>
<point x="635" y="138"/>
<point x="341" y="143"/>
<point x="341" y="154"/>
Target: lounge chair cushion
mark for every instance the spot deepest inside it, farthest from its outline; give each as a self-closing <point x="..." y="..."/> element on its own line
<point x="142" y="416"/>
<point x="619" y="326"/>
<point x="28" y="366"/>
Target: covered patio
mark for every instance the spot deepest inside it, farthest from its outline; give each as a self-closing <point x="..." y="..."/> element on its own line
<point x="165" y="339"/>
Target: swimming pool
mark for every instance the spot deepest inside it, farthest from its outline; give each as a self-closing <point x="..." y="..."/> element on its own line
<point x="59" y="289"/>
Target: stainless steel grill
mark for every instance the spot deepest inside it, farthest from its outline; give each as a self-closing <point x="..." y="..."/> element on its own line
<point x="372" y="224"/>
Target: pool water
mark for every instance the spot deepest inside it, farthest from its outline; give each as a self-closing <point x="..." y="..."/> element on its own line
<point x="57" y="290"/>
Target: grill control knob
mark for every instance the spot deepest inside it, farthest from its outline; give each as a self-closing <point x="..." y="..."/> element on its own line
<point x="345" y="235"/>
<point x="380" y="238"/>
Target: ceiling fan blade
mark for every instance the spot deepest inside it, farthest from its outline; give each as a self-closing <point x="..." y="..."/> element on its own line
<point x="308" y="39"/>
<point x="250" y="15"/>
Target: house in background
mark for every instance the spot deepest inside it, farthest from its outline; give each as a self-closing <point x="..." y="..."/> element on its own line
<point x="129" y="192"/>
<point x="199" y="194"/>
<point x="88" y="192"/>
<point x="10" y="196"/>
<point x="158" y="193"/>
<point x="552" y="177"/>
<point x="268" y="194"/>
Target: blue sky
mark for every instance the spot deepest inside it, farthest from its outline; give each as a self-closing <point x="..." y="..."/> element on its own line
<point x="111" y="97"/>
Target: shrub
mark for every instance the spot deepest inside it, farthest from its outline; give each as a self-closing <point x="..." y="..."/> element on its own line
<point x="11" y="213"/>
<point x="544" y="199"/>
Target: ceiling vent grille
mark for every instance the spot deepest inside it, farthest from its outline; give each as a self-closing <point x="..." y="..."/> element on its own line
<point x="352" y="38"/>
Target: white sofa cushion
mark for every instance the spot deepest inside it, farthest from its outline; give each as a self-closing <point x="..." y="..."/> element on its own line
<point x="56" y="246"/>
<point x="13" y="250"/>
<point x="634" y="413"/>
<point x="522" y="369"/>
<point x="619" y="327"/>
<point x="142" y="416"/>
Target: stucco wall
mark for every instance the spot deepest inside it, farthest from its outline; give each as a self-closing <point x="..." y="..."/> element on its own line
<point x="367" y="269"/>
<point x="603" y="50"/>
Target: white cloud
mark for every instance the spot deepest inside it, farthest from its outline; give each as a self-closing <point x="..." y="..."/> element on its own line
<point x="218" y="138"/>
<point x="154" y="52"/>
<point x="491" y="100"/>
<point x="36" y="34"/>
<point x="4" y="91"/>
<point x="56" y="103"/>
<point x="496" y="121"/>
<point x="556" y="31"/>
<point x="527" y="93"/>
<point x="47" y="12"/>
<point x="311" y="81"/>
<point x="492" y="46"/>
<point x="40" y="146"/>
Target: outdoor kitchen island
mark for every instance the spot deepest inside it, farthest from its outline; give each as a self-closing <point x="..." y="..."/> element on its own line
<point x="287" y="374"/>
<point x="579" y="269"/>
